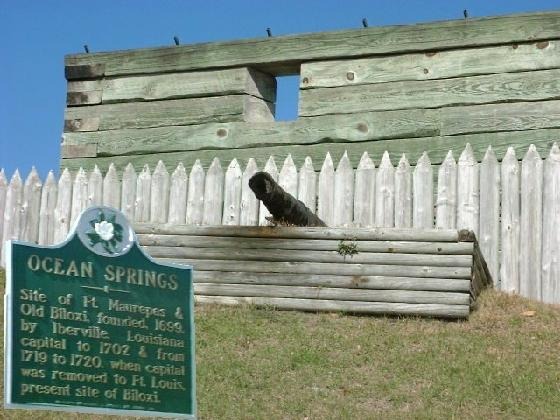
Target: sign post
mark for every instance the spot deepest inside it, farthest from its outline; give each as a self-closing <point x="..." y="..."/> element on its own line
<point x="94" y="325"/>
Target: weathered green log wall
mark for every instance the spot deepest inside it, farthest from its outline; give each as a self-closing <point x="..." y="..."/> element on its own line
<point x="432" y="87"/>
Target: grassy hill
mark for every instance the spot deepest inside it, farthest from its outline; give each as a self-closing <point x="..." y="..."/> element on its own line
<point x="266" y="364"/>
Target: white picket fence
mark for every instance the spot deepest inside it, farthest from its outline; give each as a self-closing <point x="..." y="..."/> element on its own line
<point x="513" y="208"/>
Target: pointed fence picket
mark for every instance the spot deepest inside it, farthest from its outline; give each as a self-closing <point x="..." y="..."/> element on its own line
<point x="159" y="202"/>
<point x="550" y="230"/>
<point x="178" y="196"/>
<point x="272" y="169"/>
<point x="195" y="194"/>
<point x="446" y="205"/>
<point x="31" y="206"/>
<point x="423" y="194"/>
<point x="307" y="185"/>
<point x="385" y="193"/>
<point x="232" y="194"/>
<point x="213" y="194"/>
<point x="403" y="194"/>
<point x="249" y="215"/>
<point x="489" y="224"/>
<point x="514" y="206"/>
<point x="343" y="210"/>
<point x="530" y="237"/>
<point x="112" y="188"/>
<point x="364" y="192"/>
<point x="95" y="188"/>
<point x="128" y="196"/>
<point x="325" y="193"/>
<point x="467" y="191"/>
<point x="510" y="216"/>
<point x="49" y="195"/>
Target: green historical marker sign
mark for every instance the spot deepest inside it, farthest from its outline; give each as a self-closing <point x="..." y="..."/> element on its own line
<point x="94" y="325"/>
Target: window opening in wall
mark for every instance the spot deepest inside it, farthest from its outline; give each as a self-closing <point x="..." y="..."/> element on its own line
<point x="287" y="97"/>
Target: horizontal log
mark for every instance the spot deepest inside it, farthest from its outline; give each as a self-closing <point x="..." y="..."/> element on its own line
<point x="370" y="234"/>
<point x="326" y="293"/>
<point x="429" y="66"/>
<point x="438" y="148"/>
<point x="284" y="54"/>
<point x="401" y="247"/>
<point x="286" y="255"/>
<point x="526" y="86"/>
<point x="315" y="305"/>
<point x="176" y="85"/>
<point x="333" y="128"/>
<point x="234" y="135"/>
<point x="317" y="280"/>
<point x="168" y="113"/>
<point x="326" y="268"/>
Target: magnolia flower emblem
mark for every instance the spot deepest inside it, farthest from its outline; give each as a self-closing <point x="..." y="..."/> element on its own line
<point x="106" y="232"/>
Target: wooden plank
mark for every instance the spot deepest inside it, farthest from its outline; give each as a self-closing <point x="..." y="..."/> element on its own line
<point x="83" y="98"/>
<point x="167" y="113"/>
<point x="364" y="192"/>
<point x="249" y="203"/>
<point x="358" y="127"/>
<point x="112" y="189"/>
<point x="159" y="194"/>
<point x="399" y="247"/>
<point x="551" y="222"/>
<point x="327" y="293"/>
<point x="284" y="54"/>
<point x="530" y="236"/>
<point x="128" y="196"/>
<point x="195" y="194"/>
<point x="526" y="86"/>
<point x="47" y="210"/>
<point x="213" y="194"/>
<point x="446" y="205"/>
<point x="510" y="116"/>
<point x="510" y="215"/>
<point x="432" y="65"/>
<point x="356" y="282"/>
<point x="70" y="151"/>
<point x="385" y="193"/>
<point x="328" y="268"/>
<point x="282" y="255"/>
<point x="343" y="211"/>
<point x="489" y="237"/>
<point x="372" y="234"/>
<point x="237" y="81"/>
<point x="315" y="305"/>
<point x="423" y="194"/>
<point x="178" y="196"/>
<point x="413" y="147"/>
<point x="232" y="194"/>
<point x="31" y="206"/>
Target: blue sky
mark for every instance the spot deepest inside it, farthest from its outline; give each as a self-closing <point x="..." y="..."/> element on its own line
<point x="35" y="36"/>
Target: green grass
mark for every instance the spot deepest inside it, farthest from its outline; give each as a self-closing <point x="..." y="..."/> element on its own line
<point x="266" y="364"/>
